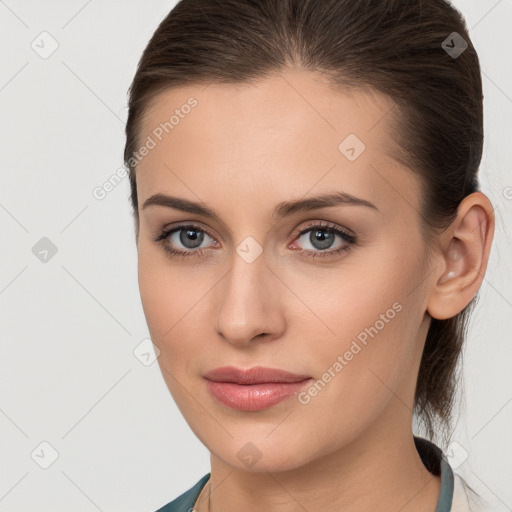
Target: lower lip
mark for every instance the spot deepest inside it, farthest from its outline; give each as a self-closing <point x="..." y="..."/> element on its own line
<point x="254" y="397"/>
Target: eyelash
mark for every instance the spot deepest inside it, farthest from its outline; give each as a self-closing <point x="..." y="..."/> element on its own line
<point x="322" y="226"/>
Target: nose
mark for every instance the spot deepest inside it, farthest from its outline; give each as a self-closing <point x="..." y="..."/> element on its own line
<point x="249" y="303"/>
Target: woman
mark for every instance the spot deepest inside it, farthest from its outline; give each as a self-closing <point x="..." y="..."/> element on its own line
<point x="311" y="239"/>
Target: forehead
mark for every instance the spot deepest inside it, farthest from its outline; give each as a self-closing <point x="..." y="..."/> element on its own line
<point x="290" y="132"/>
<point x="298" y="100"/>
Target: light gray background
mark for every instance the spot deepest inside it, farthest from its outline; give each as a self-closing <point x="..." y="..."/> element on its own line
<point x="69" y="326"/>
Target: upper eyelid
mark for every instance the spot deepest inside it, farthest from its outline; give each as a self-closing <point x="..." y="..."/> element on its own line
<point x="180" y="227"/>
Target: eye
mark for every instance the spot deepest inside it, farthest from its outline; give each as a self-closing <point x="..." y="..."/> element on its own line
<point x="183" y="240"/>
<point x="319" y="240"/>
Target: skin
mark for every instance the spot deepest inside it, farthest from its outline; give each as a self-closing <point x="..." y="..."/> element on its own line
<point x="242" y="151"/>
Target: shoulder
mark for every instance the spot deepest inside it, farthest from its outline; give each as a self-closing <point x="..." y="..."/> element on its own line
<point x="185" y="502"/>
<point x="465" y="499"/>
<point x="460" y="501"/>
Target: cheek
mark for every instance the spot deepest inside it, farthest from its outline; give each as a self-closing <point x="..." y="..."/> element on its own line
<point x="168" y="299"/>
<point x="373" y="313"/>
<point x="174" y="299"/>
<point x="372" y="340"/>
<point x="164" y="292"/>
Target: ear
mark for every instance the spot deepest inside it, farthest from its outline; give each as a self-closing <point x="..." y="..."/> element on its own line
<point x="464" y="253"/>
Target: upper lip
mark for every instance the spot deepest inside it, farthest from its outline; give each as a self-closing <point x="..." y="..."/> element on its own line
<point x="255" y="375"/>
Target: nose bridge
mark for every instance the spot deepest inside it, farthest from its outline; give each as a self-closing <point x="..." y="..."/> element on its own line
<point x="248" y="305"/>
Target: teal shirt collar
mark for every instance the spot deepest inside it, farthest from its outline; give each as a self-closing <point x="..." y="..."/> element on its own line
<point x="435" y="461"/>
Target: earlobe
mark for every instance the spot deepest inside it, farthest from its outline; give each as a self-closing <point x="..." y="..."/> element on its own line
<point x="464" y="257"/>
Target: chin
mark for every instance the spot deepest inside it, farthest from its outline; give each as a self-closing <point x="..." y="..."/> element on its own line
<point x="260" y="454"/>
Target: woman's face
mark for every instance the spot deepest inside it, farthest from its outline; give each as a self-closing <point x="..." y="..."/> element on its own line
<point x="266" y="284"/>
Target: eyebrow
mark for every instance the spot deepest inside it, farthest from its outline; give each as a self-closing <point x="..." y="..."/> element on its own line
<point x="283" y="209"/>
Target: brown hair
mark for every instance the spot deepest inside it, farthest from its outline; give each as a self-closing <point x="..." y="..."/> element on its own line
<point x="393" y="46"/>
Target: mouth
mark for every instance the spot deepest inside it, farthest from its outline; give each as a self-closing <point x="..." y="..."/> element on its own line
<point x="254" y="389"/>
<point x="255" y="375"/>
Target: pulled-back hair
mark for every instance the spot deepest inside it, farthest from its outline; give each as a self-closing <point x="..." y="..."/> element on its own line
<point x="398" y="47"/>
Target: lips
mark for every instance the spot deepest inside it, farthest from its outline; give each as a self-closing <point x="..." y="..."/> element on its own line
<point x="254" y="389"/>
<point x="256" y="375"/>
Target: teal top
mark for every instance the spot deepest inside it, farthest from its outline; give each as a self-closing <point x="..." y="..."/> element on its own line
<point x="431" y="456"/>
